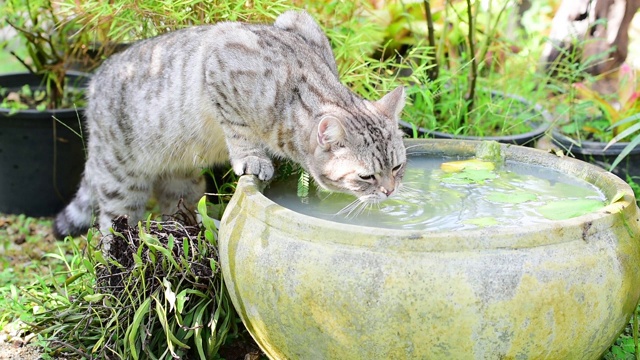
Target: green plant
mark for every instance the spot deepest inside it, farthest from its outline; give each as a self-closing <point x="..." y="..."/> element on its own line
<point x="467" y="61"/>
<point x="158" y="294"/>
<point x="624" y="104"/>
<point x="627" y="345"/>
<point x="357" y="42"/>
<point x="122" y="21"/>
<point x="634" y="182"/>
<point x="610" y="118"/>
<point x="51" y="43"/>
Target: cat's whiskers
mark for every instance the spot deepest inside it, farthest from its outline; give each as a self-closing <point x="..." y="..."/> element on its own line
<point x="412" y="146"/>
<point x="357" y="207"/>
<point x="325" y="196"/>
<point x="347" y="210"/>
<point x="405" y="190"/>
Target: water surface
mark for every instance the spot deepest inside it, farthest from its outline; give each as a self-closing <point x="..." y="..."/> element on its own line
<point x="432" y="199"/>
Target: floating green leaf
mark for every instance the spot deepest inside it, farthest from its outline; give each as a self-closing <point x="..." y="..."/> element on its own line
<point x="564" y="190"/>
<point x="567" y="209"/>
<point x="462" y="165"/>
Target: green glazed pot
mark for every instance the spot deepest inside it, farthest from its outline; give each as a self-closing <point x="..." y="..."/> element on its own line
<point x="308" y="288"/>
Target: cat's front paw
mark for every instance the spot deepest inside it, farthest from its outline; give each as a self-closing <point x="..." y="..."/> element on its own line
<point x="253" y="165"/>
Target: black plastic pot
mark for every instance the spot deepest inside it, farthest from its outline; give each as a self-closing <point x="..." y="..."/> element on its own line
<point x="539" y="127"/>
<point x="41" y="158"/>
<point x="593" y="152"/>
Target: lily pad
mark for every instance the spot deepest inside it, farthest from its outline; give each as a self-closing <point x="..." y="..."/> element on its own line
<point x="564" y="190"/>
<point x="462" y="165"/>
<point x="567" y="209"/>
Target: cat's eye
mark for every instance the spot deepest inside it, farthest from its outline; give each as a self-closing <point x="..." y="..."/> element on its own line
<point x="366" y="177"/>
<point x="396" y="168"/>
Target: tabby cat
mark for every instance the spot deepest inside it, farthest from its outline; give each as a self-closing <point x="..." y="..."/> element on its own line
<point x="169" y="106"/>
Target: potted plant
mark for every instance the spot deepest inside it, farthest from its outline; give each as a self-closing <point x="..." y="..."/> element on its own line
<point x="604" y="130"/>
<point x="41" y="137"/>
<point x="456" y="103"/>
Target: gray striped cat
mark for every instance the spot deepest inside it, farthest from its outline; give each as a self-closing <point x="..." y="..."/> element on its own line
<point x="169" y="106"/>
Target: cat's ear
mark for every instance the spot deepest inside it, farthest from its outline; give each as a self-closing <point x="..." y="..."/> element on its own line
<point x="392" y="104"/>
<point x="330" y="132"/>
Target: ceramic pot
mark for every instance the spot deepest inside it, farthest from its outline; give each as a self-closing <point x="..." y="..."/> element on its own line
<point x="539" y="126"/>
<point x="41" y="153"/>
<point x="594" y="152"/>
<point x="308" y="288"/>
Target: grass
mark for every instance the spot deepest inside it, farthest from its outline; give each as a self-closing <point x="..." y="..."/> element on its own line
<point x="158" y="295"/>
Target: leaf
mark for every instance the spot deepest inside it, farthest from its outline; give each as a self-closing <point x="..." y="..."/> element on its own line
<point x="303" y="185"/>
<point x="181" y="299"/>
<point x="567" y="209"/>
<point x="97" y="255"/>
<point x="26" y="91"/>
<point x="132" y="330"/>
<point x="611" y="113"/>
<point x="627" y="149"/>
<point x="207" y="221"/>
<point x="472" y="164"/>
<point x="171" y="339"/>
<point x="93" y="297"/>
<point x="197" y="325"/>
<point x="627" y="130"/>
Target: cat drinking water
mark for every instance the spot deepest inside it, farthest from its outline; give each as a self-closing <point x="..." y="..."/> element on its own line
<point x="169" y="106"/>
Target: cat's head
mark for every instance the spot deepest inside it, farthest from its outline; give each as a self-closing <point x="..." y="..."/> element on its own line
<point x="359" y="150"/>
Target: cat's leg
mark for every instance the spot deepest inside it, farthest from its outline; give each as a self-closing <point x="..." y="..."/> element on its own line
<point x="120" y="194"/>
<point x="169" y="189"/>
<point x="247" y="157"/>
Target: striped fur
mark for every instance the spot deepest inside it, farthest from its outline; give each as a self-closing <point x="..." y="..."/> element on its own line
<point x="169" y="106"/>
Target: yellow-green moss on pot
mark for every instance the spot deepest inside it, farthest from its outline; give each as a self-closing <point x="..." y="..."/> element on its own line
<point x="308" y="288"/>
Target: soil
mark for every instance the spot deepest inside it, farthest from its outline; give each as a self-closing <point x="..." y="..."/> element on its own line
<point x="18" y="352"/>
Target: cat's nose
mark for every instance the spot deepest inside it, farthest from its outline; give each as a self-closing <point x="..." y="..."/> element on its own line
<point x="386" y="191"/>
<point x="387" y="186"/>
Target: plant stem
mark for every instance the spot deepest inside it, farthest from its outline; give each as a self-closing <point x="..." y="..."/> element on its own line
<point x="433" y="69"/>
<point x="473" y="76"/>
<point x="484" y="46"/>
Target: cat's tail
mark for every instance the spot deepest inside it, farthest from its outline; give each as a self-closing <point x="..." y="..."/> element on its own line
<point x="75" y="218"/>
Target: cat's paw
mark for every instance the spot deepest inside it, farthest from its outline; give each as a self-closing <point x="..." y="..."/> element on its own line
<point x="253" y="165"/>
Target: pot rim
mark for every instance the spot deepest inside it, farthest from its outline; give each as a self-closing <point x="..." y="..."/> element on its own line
<point x="542" y="127"/>
<point x="250" y="189"/>
<point x="37" y="114"/>
<point x="588" y="147"/>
